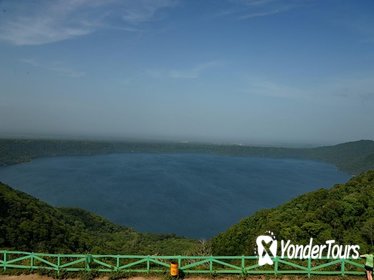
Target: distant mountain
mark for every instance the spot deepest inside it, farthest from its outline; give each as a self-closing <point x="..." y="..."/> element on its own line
<point x="344" y="213"/>
<point x="352" y="157"/>
<point x="355" y="156"/>
<point x="32" y="225"/>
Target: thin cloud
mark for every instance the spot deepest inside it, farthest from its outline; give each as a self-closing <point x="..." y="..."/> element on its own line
<point x="195" y="72"/>
<point x="358" y="88"/>
<point x="54" y="67"/>
<point x="247" y="9"/>
<point x="257" y="2"/>
<point x="141" y="11"/>
<point x="191" y="73"/>
<point x="53" y="21"/>
<point x="353" y="88"/>
<point x="363" y="26"/>
<point x="262" y="14"/>
<point x="265" y="87"/>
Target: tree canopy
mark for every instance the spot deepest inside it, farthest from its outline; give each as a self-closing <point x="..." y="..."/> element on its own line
<point x="29" y="224"/>
<point x="344" y="213"/>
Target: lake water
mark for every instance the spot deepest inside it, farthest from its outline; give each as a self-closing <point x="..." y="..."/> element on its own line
<point x="194" y="195"/>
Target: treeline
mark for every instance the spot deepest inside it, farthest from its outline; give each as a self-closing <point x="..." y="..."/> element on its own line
<point x="344" y="213"/>
<point x="353" y="157"/>
<point x="32" y="225"/>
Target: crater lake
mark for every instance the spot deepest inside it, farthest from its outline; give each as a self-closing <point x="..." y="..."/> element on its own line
<point x="193" y="195"/>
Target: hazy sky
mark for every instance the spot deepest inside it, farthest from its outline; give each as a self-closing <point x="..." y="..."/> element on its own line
<point x="249" y="71"/>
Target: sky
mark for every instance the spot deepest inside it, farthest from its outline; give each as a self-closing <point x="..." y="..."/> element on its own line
<point x="269" y="72"/>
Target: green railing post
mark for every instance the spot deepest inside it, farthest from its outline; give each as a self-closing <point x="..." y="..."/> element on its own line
<point x="276" y="266"/>
<point x="309" y="267"/>
<point x="179" y="262"/>
<point x="5" y="259"/>
<point x="243" y="265"/>
<point x="32" y="261"/>
<point x="88" y="260"/>
<point x="211" y="264"/>
<point x="148" y="264"/>
<point x="117" y="263"/>
<point x="342" y="268"/>
<point x="58" y="264"/>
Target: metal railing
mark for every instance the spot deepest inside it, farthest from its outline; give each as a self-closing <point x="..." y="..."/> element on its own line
<point x="243" y="265"/>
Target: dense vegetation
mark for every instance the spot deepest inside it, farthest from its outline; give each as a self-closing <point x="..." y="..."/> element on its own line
<point x="31" y="225"/>
<point x="353" y="157"/>
<point x="344" y="213"/>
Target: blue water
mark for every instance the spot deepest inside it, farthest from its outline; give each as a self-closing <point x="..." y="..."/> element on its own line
<point x="193" y="195"/>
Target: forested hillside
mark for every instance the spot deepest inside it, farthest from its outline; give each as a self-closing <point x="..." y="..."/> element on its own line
<point x="352" y="157"/>
<point x="344" y="213"/>
<point x="31" y="225"/>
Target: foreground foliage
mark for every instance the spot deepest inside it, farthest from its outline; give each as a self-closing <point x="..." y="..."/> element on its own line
<point x="31" y="225"/>
<point x="344" y="213"/>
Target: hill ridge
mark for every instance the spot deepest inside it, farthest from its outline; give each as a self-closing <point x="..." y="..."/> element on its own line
<point x="353" y="157"/>
<point x="29" y="224"/>
<point x="344" y="213"/>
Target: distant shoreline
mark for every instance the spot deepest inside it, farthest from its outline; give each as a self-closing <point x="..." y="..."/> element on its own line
<point x="352" y="157"/>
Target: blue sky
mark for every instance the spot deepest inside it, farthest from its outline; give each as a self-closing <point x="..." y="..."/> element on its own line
<point x="235" y="71"/>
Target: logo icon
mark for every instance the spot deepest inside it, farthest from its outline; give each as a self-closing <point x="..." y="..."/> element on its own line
<point x="266" y="248"/>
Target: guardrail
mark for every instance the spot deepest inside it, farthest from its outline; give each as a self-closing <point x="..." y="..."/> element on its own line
<point x="243" y="265"/>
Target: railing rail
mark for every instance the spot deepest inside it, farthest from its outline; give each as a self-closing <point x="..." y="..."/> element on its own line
<point x="243" y="265"/>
